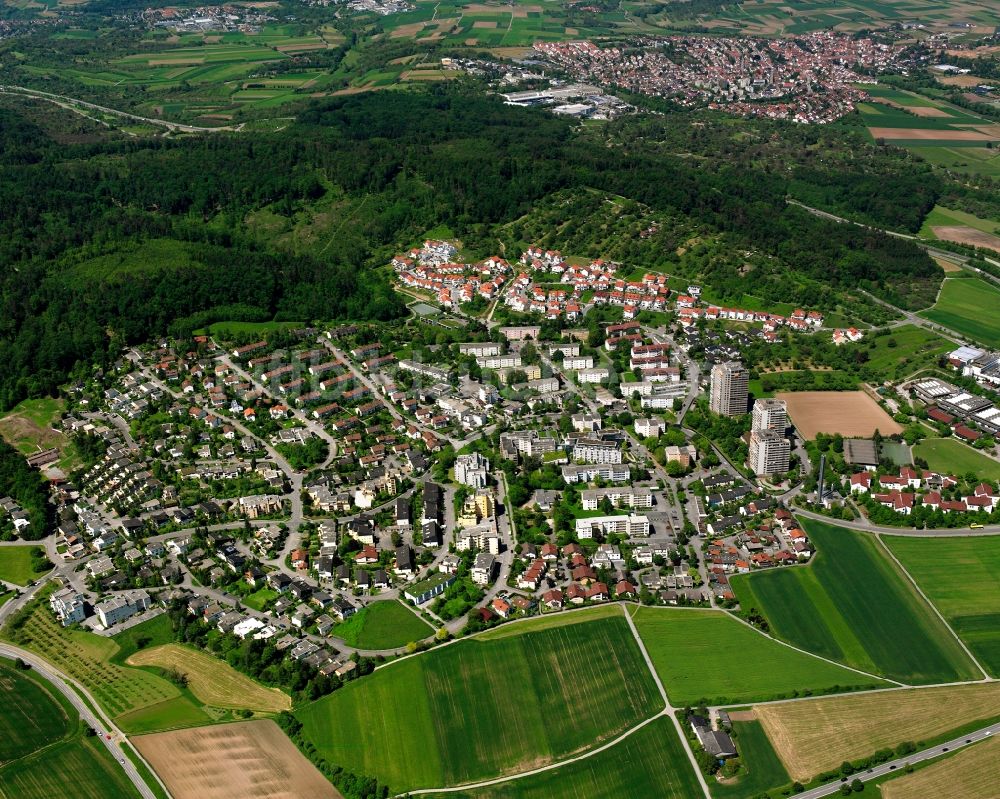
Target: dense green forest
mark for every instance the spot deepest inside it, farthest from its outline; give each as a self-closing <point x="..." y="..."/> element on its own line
<point x="28" y="488"/>
<point x="114" y="240"/>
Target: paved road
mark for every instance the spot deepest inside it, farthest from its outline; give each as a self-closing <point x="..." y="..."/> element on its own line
<point x="901" y="763"/>
<point x="73" y="104"/>
<point x="115" y="744"/>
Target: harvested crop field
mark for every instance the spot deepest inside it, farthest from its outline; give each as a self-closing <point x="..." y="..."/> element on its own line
<point x="248" y="759"/>
<point x="967" y="235"/>
<point x="929" y="134"/>
<point x="853" y="414"/>
<point x="816" y="735"/>
<point x="213" y="681"/>
<point x="970" y="774"/>
<point x="927" y="111"/>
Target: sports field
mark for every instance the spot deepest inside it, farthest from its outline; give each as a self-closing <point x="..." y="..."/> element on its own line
<point x="695" y="653"/>
<point x="120" y="690"/>
<point x="950" y="456"/>
<point x="382" y="625"/>
<point x="484" y="708"/>
<point x="649" y="763"/>
<point x="961" y="576"/>
<point x="968" y="306"/>
<point x="853" y="414"/>
<point x="16" y="565"/>
<point x="213" y="681"/>
<point x="852" y="604"/>
<point x="969" y="774"/>
<point x="43" y="751"/>
<point x="819" y="734"/>
<point x="252" y="759"/>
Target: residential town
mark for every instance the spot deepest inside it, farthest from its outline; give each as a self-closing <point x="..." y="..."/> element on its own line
<point x="809" y="78"/>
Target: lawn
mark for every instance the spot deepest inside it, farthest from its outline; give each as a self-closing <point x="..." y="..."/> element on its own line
<point x="649" y="763"/>
<point x="815" y="735"/>
<point x="485" y="708"/>
<point x="43" y="750"/>
<point x="695" y="653"/>
<point x="90" y="659"/>
<point x="382" y="625"/>
<point x="762" y="768"/>
<point x="852" y="604"/>
<point x="950" y="456"/>
<point x="968" y="306"/>
<point x="961" y="576"/>
<point x="15" y="565"/>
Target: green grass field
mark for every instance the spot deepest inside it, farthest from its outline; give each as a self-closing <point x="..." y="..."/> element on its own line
<point x="763" y="769"/>
<point x="32" y="717"/>
<point x="904" y="350"/>
<point x="851" y="604"/>
<point x="649" y="763"/>
<point x="15" y="565"/>
<point x="961" y="576"/>
<point x="81" y="768"/>
<point x="708" y="657"/>
<point x="382" y="625"/>
<point x="968" y="306"/>
<point x="43" y="751"/>
<point x="481" y="709"/>
<point x="948" y="456"/>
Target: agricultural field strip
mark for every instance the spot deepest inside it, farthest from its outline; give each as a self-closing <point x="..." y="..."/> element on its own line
<point x="88" y="708"/>
<point x="932" y="606"/>
<point x="666" y="711"/>
<point x="814" y="655"/>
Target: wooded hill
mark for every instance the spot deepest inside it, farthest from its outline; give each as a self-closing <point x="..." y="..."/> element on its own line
<point x="117" y="240"/>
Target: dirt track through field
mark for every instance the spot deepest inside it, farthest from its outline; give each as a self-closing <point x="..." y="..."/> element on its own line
<point x="248" y="760"/>
<point x="820" y="734"/>
<point x="853" y="414"/>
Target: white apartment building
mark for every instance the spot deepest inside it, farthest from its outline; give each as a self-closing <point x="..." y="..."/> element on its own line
<point x="769" y="452"/>
<point x="770" y="414"/>
<point x="631" y="526"/>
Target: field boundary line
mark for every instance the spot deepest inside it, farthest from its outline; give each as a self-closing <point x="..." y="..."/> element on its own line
<point x="512" y="777"/>
<point x="933" y="607"/>
<point x="745" y="623"/>
<point x="667" y="707"/>
<point x="846" y="694"/>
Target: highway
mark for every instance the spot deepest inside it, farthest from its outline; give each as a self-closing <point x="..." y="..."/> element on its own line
<point x="117" y="740"/>
<point x="900" y="763"/>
